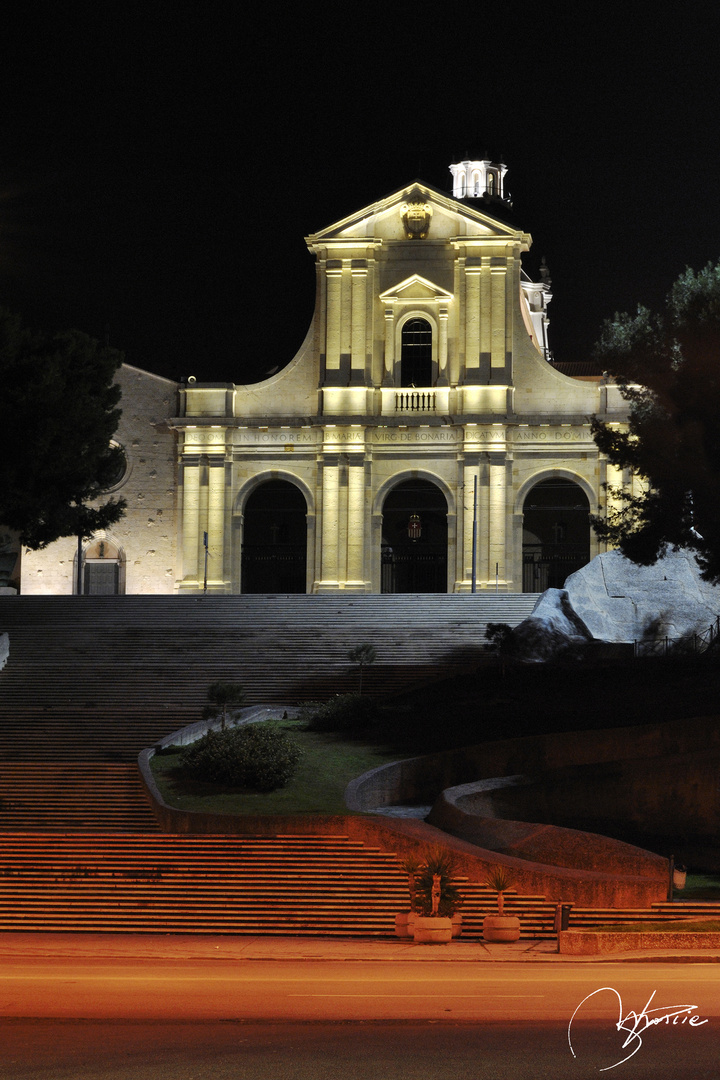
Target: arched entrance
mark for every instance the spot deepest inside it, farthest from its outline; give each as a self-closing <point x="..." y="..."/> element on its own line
<point x="414" y="539"/>
<point x="556" y="533"/>
<point x="103" y="568"/>
<point x="274" y="550"/>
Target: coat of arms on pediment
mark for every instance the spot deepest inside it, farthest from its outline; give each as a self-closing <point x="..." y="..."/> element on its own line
<point x="416" y="216"/>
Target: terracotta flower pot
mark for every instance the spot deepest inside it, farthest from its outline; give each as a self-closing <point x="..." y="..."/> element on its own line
<point x="501" y="928"/>
<point x="432" y="930"/>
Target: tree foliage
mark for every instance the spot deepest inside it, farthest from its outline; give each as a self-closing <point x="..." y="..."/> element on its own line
<point x="351" y="714"/>
<point x="224" y="699"/>
<point x="437" y="862"/>
<point x="363" y="655"/>
<point x="667" y="365"/>
<point x="258" y="757"/>
<point x="58" y="413"/>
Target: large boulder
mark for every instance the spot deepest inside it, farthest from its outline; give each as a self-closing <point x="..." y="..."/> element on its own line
<point x="614" y="600"/>
<point x="620" y="601"/>
<point x="553" y="630"/>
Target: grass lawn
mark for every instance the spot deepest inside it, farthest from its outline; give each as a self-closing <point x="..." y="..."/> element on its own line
<point x="700" y="887"/>
<point x="327" y="767"/>
<point x="674" y="926"/>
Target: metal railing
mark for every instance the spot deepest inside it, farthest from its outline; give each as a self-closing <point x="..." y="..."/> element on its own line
<point x="414" y="571"/>
<point x="549" y="566"/>
<point x="690" y="643"/>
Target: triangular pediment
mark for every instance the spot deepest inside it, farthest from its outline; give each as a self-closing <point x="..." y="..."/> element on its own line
<point x="383" y="219"/>
<point x="416" y="287"/>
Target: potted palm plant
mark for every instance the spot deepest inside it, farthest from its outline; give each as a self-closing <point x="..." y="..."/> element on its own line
<point x="500" y="927"/>
<point x="436" y="898"/>
<point x="404" y="920"/>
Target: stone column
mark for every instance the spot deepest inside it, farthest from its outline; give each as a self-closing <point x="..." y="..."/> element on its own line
<point x="388" y="378"/>
<point x="443" y="348"/>
<point x="359" y="315"/>
<point x="333" y="323"/>
<point x="356" y="522"/>
<point x="485" y="320"/>
<point x="330" y="523"/>
<point x="216" y="522"/>
<point x="460" y="313"/>
<point x="483" y="556"/>
<point x="616" y="478"/>
<point x="497" y="517"/>
<point x="190" y="524"/>
<point x="497" y="354"/>
<point x="472" y="325"/>
<point x="203" y="503"/>
<point x="470" y="473"/>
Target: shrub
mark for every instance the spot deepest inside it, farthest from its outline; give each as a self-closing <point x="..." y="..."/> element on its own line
<point x="260" y="757"/>
<point x="499" y="637"/>
<point x="350" y="713"/>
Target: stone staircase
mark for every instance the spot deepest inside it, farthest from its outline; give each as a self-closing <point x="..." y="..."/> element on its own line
<point x="662" y="911"/>
<point x="92" y="680"/>
<point x="73" y="797"/>
<point x="226" y="884"/>
<point x="99" y="678"/>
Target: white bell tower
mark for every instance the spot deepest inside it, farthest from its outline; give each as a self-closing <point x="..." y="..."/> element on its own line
<point x="475" y="179"/>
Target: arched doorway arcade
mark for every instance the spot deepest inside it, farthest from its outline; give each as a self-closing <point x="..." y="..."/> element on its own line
<point x="274" y="548"/>
<point x="556" y="533"/>
<point x="414" y="539"/>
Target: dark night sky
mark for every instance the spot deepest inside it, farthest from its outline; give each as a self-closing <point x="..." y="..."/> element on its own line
<point x="160" y="163"/>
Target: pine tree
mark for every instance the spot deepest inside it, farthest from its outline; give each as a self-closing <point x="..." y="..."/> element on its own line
<point x="58" y="413"/>
<point x="667" y="365"/>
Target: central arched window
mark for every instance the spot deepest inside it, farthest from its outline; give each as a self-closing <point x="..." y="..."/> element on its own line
<point x="416" y="353"/>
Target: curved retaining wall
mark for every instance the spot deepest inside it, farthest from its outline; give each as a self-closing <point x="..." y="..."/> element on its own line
<point x="420" y="780"/>
<point x="463" y="811"/>
<point x="587" y="888"/>
<point x="674" y="796"/>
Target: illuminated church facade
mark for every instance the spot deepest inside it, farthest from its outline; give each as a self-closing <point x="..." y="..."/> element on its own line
<point x="421" y="440"/>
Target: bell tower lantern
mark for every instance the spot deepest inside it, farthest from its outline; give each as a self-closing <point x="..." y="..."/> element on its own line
<point x="477" y="179"/>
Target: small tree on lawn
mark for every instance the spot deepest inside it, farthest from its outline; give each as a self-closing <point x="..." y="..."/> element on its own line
<point x="223" y="697"/>
<point x="364" y="655"/>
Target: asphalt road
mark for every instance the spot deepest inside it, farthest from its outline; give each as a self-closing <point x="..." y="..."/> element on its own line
<point x="537" y="1050"/>
<point x="125" y="1019"/>
<point x="215" y="989"/>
